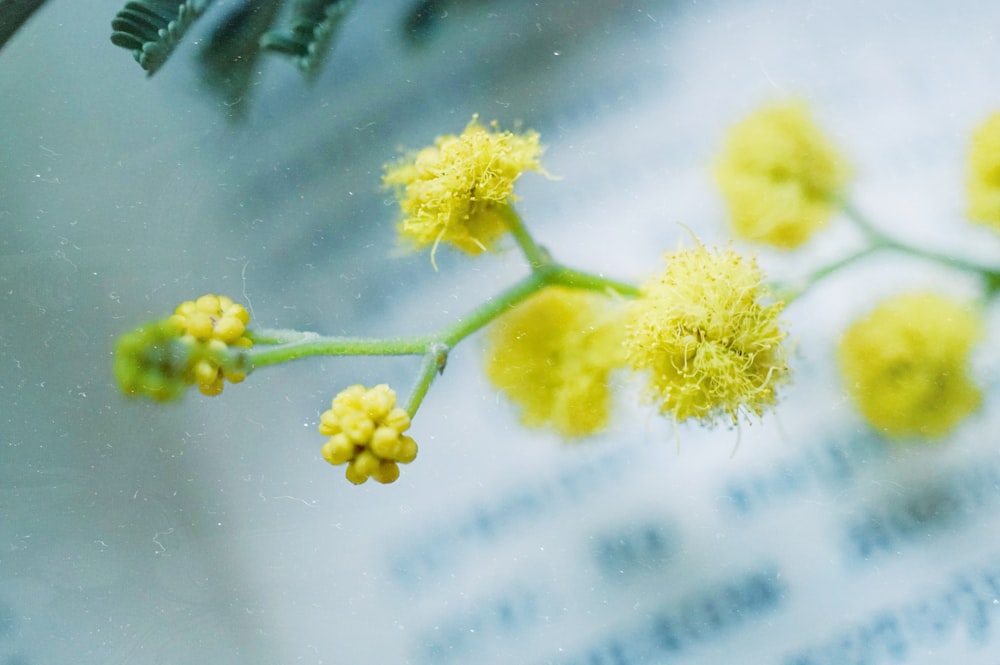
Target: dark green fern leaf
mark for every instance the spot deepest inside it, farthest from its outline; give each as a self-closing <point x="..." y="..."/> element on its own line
<point x="423" y="18"/>
<point x="229" y="59"/>
<point x="312" y="27"/>
<point x="151" y="29"/>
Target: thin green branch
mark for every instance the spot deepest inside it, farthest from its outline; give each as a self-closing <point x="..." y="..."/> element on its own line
<point x="880" y="240"/>
<point x="791" y="291"/>
<point x="273" y="347"/>
<point x="278" y="346"/>
<point x="576" y="279"/>
<point x="535" y="254"/>
<point x="490" y="310"/>
<point x="318" y="345"/>
<point x="432" y="365"/>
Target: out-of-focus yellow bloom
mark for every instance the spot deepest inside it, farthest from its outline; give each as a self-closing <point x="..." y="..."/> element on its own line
<point x="160" y="359"/>
<point x="780" y="176"/>
<point x="906" y="364"/>
<point x="366" y="432"/>
<point x="460" y="189"/>
<point x="153" y="362"/>
<point x="210" y="325"/>
<point x="552" y="355"/>
<point x="706" y="336"/>
<point x="983" y="184"/>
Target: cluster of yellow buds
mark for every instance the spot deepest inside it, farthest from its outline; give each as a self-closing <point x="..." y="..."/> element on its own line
<point x="212" y="324"/>
<point x="161" y="359"/>
<point x="366" y="432"/>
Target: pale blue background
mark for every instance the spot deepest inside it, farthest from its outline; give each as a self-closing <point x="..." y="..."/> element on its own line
<point x="210" y="531"/>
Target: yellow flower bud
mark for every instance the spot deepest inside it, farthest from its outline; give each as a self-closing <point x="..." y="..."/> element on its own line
<point x="387" y="472"/>
<point x="211" y="325"/>
<point x="338" y="449"/>
<point x="228" y="329"/>
<point x="385" y="442"/>
<point x="365" y="427"/>
<point x="407" y="451"/>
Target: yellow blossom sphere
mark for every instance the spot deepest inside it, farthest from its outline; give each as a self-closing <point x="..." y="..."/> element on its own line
<point x="780" y="176"/>
<point x="906" y="364"/>
<point x="707" y="336"/>
<point x="160" y="359"/>
<point x="552" y="355"/>
<point x="210" y="325"/>
<point x="460" y="189"/>
<point x="983" y="183"/>
<point x="366" y="433"/>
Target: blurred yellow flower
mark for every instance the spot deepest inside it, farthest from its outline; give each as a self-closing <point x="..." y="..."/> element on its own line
<point x="780" y="176"/>
<point x="366" y="432"/>
<point x="983" y="183"/>
<point x="906" y="364"/>
<point x="706" y="336"/>
<point x="460" y="189"/>
<point x="152" y="361"/>
<point x="552" y="356"/>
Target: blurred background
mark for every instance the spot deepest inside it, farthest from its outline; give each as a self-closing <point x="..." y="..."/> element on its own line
<point x="211" y="530"/>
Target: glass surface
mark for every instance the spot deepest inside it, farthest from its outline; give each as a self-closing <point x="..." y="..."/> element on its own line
<point x="212" y="531"/>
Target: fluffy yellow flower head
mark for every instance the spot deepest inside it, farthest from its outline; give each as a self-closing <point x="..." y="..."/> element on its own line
<point x="706" y="336"/>
<point x="553" y="354"/>
<point x="366" y="432"/>
<point x="983" y="184"/>
<point x="211" y="324"/>
<point x="780" y="176"/>
<point x="906" y="364"/>
<point x="460" y="189"/>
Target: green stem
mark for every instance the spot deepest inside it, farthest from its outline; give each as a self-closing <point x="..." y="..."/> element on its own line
<point x="273" y="347"/>
<point x="549" y="274"/>
<point x="880" y="240"/>
<point x="432" y="365"/>
<point x="789" y="292"/>
<point x="277" y="346"/>
<point x="535" y="254"/>
<point x="491" y="309"/>
<point x="561" y="275"/>
<point x="318" y="345"/>
<point x="838" y="265"/>
<point x="552" y="273"/>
